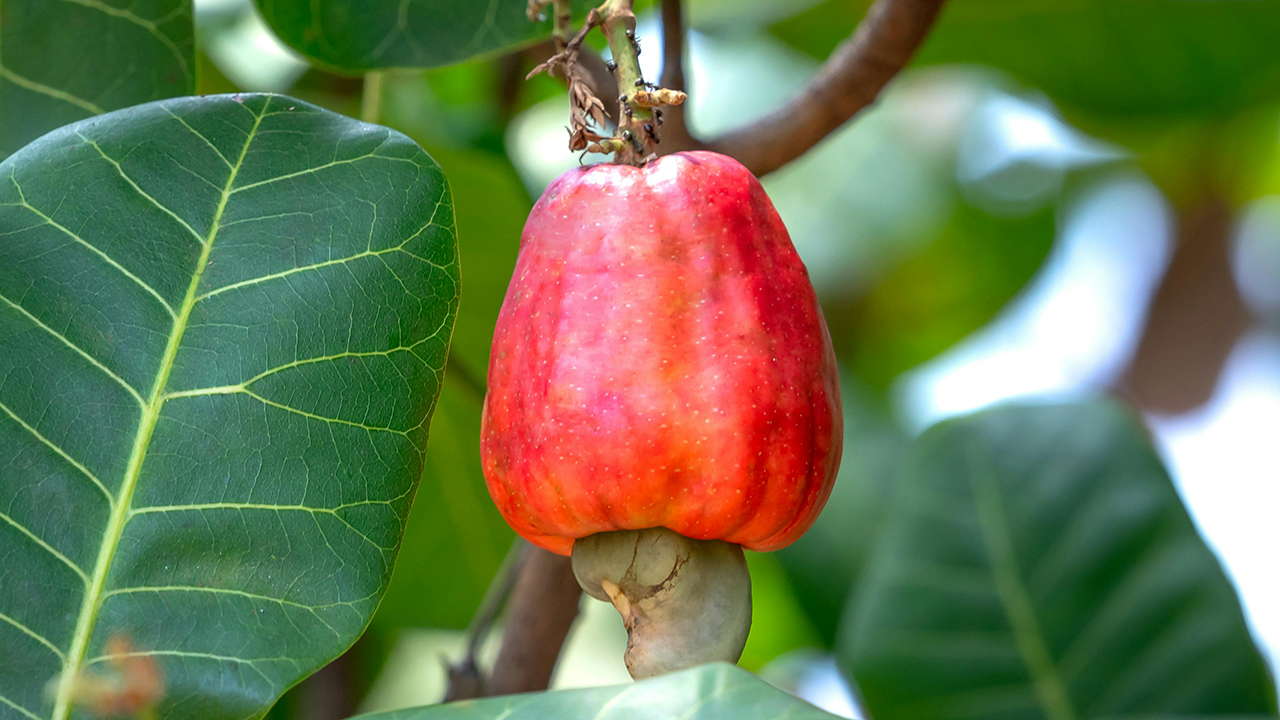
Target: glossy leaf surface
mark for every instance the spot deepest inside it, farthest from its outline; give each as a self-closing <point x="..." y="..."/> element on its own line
<point x="1107" y="57"/>
<point x="362" y="35"/>
<point x="1040" y="564"/>
<point x="223" y="326"/>
<point x="65" y="60"/>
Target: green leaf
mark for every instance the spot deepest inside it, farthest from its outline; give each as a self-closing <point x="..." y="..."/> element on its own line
<point x="703" y="693"/>
<point x="65" y="60"/>
<point x="778" y="621"/>
<point x="223" y="323"/>
<point x="1040" y="564"/>
<point x="940" y="294"/>
<point x="361" y="35"/>
<point x="1151" y="57"/>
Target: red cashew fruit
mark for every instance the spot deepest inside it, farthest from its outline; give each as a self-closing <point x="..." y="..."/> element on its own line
<point x="661" y="361"/>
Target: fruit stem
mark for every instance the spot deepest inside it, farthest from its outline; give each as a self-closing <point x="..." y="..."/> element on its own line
<point x="638" y="115"/>
<point x="618" y="21"/>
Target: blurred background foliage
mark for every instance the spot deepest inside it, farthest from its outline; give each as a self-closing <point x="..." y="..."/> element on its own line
<point x="1060" y="198"/>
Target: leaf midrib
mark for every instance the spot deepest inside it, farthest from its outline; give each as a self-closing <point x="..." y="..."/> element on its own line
<point x="87" y="619"/>
<point x="1014" y="597"/>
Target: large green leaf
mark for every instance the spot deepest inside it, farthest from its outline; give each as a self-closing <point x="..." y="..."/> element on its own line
<point x="1101" y="56"/>
<point x="362" y="35"/>
<point x="1040" y="565"/>
<point x="710" y="692"/>
<point x="223" y="323"/>
<point x="64" y="60"/>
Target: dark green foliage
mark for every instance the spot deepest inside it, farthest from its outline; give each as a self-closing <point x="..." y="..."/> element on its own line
<point x="1104" y="57"/>
<point x="64" y="60"/>
<point x="360" y="35"/>
<point x="1040" y="564"/>
<point x="223" y="326"/>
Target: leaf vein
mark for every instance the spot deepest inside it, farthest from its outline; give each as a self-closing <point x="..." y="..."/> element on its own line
<point x="19" y="708"/>
<point x="138" y="188"/>
<point x="1019" y="610"/>
<point x="35" y="636"/>
<point x="196" y="133"/>
<point x="318" y="168"/>
<point x="49" y="91"/>
<point x="79" y="350"/>
<point x="61" y="453"/>
<point x="87" y="618"/>
<point x="45" y="546"/>
<point x="141" y="22"/>
<point x="110" y="260"/>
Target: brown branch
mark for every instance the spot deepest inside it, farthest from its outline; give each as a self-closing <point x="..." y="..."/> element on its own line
<point x="330" y="694"/>
<point x="475" y="386"/>
<point x="1196" y="317"/>
<point x="465" y="678"/>
<point x="510" y="85"/>
<point x="540" y="613"/>
<point x="673" y="120"/>
<point x="673" y="32"/>
<point x="850" y="80"/>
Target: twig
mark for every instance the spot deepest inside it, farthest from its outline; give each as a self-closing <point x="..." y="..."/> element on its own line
<point x="638" y="101"/>
<point x="331" y="693"/>
<point x="510" y="84"/>
<point x="596" y="74"/>
<point x="371" y="96"/>
<point x="675" y="126"/>
<point x="453" y="368"/>
<point x="1196" y="316"/>
<point x="540" y="613"/>
<point x="465" y="678"/>
<point x="673" y="32"/>
<point x="561" y="19"/>
<point x="849" y="81"/>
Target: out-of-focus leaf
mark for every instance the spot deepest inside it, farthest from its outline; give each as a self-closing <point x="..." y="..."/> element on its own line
<point x="712" y="15"/>
<point x="455" y="538"/>
<point x="1149" y="57"/>
<point x="65" y="60"/>
<point x="1040" y="564"/>
<point x="492" y="206"/>
<point x="941" y="294"/>
<point x="824" y="564"/>
<point x="361" y="35"/>
<point x="704" y="693"/>
<point x="778" y="620"/>
<point x="223" y="323"/>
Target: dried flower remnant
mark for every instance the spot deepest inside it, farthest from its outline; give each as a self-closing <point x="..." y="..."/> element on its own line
<point x="128" y="684"/>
